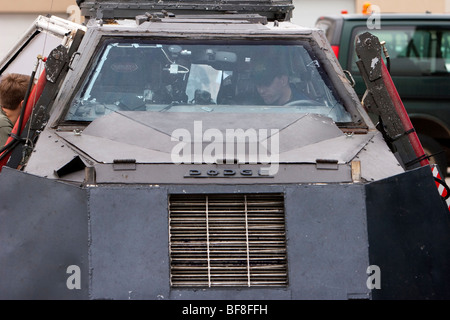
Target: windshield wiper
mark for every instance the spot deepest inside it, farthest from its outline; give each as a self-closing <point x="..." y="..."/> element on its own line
<point x="168" y="107"/>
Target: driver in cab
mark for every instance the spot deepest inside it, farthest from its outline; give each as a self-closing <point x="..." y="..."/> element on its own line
<point x="272" y="84"/>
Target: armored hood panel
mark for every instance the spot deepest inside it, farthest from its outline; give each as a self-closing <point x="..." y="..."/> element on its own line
<point x="342" y="149"/>
<point x="151" y="137"/>
<point x="106" y="150"/>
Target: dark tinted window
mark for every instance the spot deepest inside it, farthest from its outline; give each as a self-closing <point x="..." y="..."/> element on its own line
<point x="414" y="51"/>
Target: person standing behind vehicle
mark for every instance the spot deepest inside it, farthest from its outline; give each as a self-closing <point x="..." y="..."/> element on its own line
<point x="13" y="88"/>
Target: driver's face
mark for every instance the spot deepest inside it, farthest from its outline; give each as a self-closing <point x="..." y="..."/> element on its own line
<point x="272" y="93"/>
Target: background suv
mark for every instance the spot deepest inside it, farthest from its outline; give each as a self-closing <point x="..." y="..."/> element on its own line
<point x="419" y="50"/>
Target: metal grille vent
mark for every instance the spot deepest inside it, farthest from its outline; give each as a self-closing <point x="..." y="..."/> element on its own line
<point x="227" y="240"/>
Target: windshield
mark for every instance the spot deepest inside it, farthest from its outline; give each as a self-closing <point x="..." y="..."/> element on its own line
<point x="139" y="75"/>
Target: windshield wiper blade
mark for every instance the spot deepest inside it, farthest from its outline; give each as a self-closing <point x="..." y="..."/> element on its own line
<point x="168" y="107"/>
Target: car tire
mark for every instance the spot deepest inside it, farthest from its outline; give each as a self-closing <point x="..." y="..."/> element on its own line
<point x="434" y="149"/>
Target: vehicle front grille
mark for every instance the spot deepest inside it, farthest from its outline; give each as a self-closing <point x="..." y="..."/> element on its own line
<point x="227" y="240"/>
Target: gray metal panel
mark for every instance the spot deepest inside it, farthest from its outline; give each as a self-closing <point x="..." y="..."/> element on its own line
<point x="341" y="148"/>
<point x="327" y="244"/>
<point x="169" y="173"/>
<point x="129" y="243"/>
<point x="327" y="241"/>
<point x="296" y="130"/>
<point x="377" y="160"/>
<point x="150" y="138"/>
<point x="50" y="154"/>
<point x="43" y="231"/>
<point x="129" y="251"/>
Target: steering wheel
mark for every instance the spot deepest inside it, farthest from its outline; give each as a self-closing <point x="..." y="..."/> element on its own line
<point x="302" y="103"/>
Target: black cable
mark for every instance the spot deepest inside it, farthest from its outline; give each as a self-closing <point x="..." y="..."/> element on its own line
<point x="6" y="150"/>
<point x="27" y="96"/>
<point x="444" y="184"/>
<point x="386" y="54"/>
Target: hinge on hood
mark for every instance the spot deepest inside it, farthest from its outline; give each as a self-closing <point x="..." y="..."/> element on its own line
<point x="124" y="164"/>
<point x="326" y="164"/>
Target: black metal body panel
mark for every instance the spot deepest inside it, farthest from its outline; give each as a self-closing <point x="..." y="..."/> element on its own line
<point x="43" y="231"/>
<point x="123" y="254"/>
<point x="408" y="236"/>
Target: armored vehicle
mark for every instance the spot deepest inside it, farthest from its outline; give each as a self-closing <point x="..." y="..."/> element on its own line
<point x="212" y="150"/>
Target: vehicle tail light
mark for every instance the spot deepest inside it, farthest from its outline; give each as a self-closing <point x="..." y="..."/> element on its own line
<point x="335" y="50"/>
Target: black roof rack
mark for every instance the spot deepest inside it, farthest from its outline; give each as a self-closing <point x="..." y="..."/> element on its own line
<point x="280" y="10"/>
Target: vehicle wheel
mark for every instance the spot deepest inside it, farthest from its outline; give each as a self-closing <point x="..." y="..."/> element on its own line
<point x="435" y="150"/>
